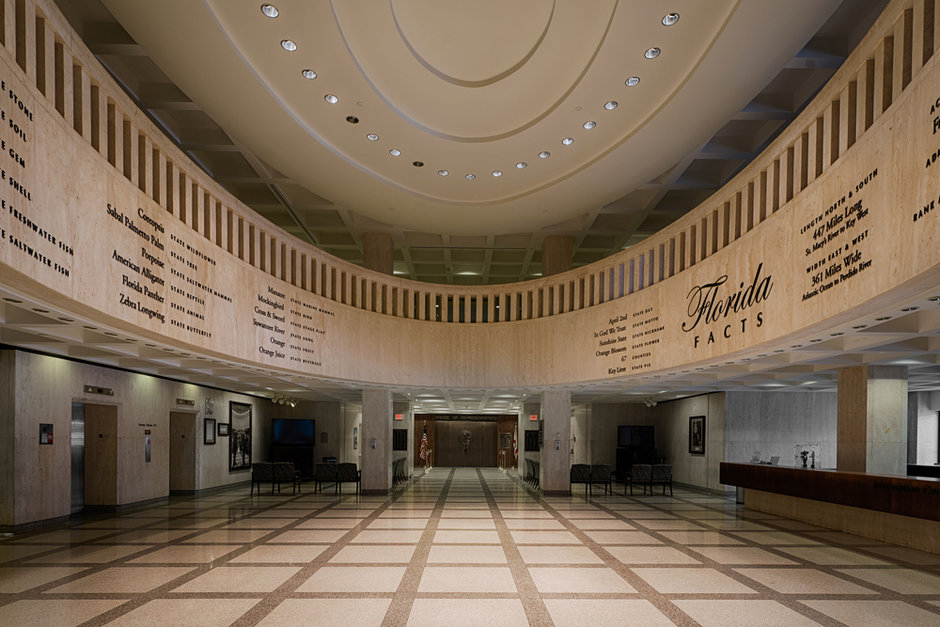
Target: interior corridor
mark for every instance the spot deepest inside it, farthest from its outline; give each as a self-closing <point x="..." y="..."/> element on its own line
<point x="459" y="547"/>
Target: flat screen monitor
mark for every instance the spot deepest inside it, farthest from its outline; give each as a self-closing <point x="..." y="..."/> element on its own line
<point x="293" y="431"/>
<point x="635" y="435"/>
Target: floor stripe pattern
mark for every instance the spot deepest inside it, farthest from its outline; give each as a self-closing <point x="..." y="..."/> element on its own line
<point x="459" y="546"/>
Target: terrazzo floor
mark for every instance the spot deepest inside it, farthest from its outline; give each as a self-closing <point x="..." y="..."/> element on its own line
<point x="459" y="547"/>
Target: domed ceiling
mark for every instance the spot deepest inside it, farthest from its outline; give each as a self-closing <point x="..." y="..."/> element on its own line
<point x="468" y="131"/>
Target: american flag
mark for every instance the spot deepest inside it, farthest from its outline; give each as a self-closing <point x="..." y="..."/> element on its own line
<point x="423" y="449"/>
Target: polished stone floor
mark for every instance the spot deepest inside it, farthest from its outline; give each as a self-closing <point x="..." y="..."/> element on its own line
<point x="459" y="547"/>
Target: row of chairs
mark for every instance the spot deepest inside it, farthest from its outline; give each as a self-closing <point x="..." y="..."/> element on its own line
<point x="648" y="475"/>
<point x="337" y="474"/>
<point x="532" y="470"/>
<point x="399" y="473"/>
<point x="590" y="475"/>
<point x="276" y="473"/>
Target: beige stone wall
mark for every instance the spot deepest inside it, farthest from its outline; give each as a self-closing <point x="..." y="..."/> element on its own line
<point x="45" y="388"/>
<point x="78" y="232"/>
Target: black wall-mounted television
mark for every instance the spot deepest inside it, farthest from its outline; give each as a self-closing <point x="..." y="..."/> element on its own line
<point x="293" y="431"/>
<point x="635" y="435"/>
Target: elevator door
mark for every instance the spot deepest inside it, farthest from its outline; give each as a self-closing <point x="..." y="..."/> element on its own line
<point x="77" y="439"/>
<point x="182" y="452"/>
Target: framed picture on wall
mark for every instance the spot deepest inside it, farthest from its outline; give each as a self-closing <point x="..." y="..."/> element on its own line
<point x="697" y="435"/>
<point x="223" y="429"/>
<point x="208" y="431"/>
<point x="239" y="441"/>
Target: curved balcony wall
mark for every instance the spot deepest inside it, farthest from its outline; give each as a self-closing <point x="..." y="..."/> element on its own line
<point x="106" y="219"/>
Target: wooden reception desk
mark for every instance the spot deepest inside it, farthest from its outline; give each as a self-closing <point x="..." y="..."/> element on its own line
<point x="916" y="497"/>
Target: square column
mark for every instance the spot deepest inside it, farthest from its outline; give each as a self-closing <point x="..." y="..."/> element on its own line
<point x="872" y="420"/>
<point x="376" y="444"/>
<point x="556" y="414"/>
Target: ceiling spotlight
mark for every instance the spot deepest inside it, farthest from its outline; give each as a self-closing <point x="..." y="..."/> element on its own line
<point x="497" y="173"/>
<point x="859" y="326"/>
<point x="522" y="165"/>
<point x="652" y="53"/>
<point x="330" y="98"/>
<point x="372" y="137"/>
<point x="932" y="299"/>
<point x="544" y="154"/>
<point x="443" y="172"/>
<point x="309" y="74"/>
<point x="394" y="152"/>
<point x="670" y="18"/>
<point x="470" y="177"/>
<point x="589" y="125"/>
<point x="418" y="164"/>
<point x="610" y="105"/>
<point x="910" y="309"/>
<point x="567" y="141"/>
<point x="883" y="318"/>
<point x="352" y="119"/>
<point x="269" y="10"/>
<point x="288" y="45"/>
<point x="633" y="81"/>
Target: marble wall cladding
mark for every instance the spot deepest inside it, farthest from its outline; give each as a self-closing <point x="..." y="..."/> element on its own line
<point x="580" y="437"/>
<point x="555" y="457"/>
<point x="887" y="424"/>
<point x="924" y="421"/>
<point x="770" y="424"/>
<point x="7" y="436"/>
<point x="671" y="431"/>
<point x="44" y="389"/>
<point x="376" y="428"/>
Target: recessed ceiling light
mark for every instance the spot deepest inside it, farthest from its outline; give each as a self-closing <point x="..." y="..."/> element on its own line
<point x="288" y="45"/>
<point x="544" y="154"/>
<point x="497" y="173"/>
<point x="12" y="300"/>
<point x="567" y="141"/>
<point x="42" y="311"/>
<point x="934" y="299"/>
<point x="372" y="137"/>
<point x="814" y="341"/>
<point x="470" y="177"/>
<point x="269" y="10"/>
<point x="610" y="105"/>
<point x="330" y="98"/>
<point x="394" y="152"/>
<point x="910" y="309"/>
<point x="837" y="334"/>
<point x="418" y="164"/>
<point x="860" y="326"/>
<point x="66" y="319"/>
<point x="633" y="81"/>
<point x="352" y="119"/>
<point x="589" y="125"/>
<point x="652" y="53"/>
<point x="670" y="18"/>
<point x="443" y="172"/>
<point x="883" y="318"/>
<point x="309" y="74"/>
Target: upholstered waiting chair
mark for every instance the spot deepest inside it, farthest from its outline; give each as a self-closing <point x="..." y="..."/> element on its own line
<point x="580" y="473"/>
<point x="323" y="473"/>
<point x="640" y="474"/>
<point x="601" y="473"/>
<point x="661" y="475"/>
<point x="284" y="473"/>
<point x="347" y="473"/>
<point x="261" y="472"/>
